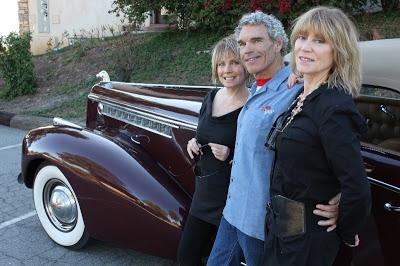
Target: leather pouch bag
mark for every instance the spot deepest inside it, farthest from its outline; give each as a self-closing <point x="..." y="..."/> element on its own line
<point x="289" y="216"/>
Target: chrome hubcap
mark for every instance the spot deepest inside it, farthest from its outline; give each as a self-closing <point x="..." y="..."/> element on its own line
<point x="60" y="205"/>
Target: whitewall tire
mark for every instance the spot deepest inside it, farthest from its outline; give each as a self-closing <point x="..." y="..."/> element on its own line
<point x="58" y="208"/>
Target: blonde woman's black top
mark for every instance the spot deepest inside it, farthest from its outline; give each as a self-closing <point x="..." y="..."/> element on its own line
<point x="212" y="180"/>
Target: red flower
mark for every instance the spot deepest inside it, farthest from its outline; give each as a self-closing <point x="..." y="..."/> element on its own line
<point x="207" y="3"/>
<point x="255" y="5"/>
<point x="284" y="6"/>
<point x="227" y="5"/>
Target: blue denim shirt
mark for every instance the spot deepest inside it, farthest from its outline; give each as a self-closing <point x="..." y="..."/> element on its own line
<point x="248" y="191"/>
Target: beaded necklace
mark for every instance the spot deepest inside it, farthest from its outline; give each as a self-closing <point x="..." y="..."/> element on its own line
<point x="297" y="109"/>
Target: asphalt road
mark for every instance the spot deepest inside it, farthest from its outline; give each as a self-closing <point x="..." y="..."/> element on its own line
<point x="22" y="239"/>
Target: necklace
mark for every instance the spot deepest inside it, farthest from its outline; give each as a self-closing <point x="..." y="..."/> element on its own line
<point x="297" y="109"/>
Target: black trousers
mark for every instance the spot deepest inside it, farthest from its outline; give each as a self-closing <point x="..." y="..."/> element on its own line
<point x="196" y="242"/>
<point x="310" y="249"/>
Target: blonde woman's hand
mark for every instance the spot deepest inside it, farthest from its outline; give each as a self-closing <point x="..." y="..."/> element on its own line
<point x="220" y="152"/>
<point x="193" y="148"/>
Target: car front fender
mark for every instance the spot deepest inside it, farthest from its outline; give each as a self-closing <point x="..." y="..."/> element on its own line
<point x="121" y="190"/>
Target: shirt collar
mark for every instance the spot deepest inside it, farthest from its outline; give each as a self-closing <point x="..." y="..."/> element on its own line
<point x="262" y="82"/>
<point x="281" y="76"/>
<point x="276" y="81"/>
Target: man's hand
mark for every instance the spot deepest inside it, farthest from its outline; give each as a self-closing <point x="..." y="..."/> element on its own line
<point x="330" y="211"/>
<point x="293" y="79"/>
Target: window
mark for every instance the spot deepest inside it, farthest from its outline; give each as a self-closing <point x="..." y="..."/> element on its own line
<point x="377" y="91"/>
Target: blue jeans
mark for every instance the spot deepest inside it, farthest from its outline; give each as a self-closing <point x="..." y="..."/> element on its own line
<point x="231" y="245"/>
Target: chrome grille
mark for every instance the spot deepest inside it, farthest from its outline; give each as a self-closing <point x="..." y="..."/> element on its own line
<point x="138" y="120"/>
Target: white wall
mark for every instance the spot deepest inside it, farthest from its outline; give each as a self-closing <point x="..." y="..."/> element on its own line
<point x="8" y="17"/>
<point x="71" y="16"/>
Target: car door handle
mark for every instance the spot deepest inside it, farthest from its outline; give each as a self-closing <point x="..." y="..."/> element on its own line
<point x="135" y="141"/>
<point x="391" y="208"/>
<point x="385" y="109"/>
<point x="140" y="139"/>
<point x="368" y="167"/>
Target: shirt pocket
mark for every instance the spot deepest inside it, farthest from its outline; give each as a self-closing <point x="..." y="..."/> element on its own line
<point x="255" y="125"/>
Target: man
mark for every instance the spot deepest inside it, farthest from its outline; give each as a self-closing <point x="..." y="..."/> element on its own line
<point x="262" y="42"/>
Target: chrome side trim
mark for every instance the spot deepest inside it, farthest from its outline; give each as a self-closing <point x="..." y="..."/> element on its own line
<point x="384" y="185"/>
<point x="133" y="118"/>
<point x="189" y="104"/>
<point x="167" y="85"/>
<point x="57" y="121"/>
<point x="139" y="111"/>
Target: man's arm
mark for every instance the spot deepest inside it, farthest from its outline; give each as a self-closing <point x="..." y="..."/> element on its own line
<point x="330" y="212"/>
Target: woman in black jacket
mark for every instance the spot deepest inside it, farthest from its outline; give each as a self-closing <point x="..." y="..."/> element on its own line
<point x="317" y="146"/>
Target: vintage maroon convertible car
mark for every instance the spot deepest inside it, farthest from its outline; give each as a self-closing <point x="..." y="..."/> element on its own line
<point x="126" y="177"/>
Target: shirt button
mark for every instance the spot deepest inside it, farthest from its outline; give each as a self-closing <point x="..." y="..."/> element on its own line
<point x="231" y="179"/>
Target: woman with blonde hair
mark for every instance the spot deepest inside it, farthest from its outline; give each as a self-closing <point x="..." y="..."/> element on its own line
<point x="214" y="147"/>
<point x="317" y="146"/>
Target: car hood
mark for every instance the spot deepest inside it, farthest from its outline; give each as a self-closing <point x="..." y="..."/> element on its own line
<point x="381" y="63"/>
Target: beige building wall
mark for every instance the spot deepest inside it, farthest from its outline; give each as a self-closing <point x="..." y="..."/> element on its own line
<point x="50" y="19"/>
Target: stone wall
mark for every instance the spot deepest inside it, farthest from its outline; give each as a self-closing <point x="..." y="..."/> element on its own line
<point x="23" y="16"/>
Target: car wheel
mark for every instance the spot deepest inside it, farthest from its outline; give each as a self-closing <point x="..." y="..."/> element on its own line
<point x="58" y="208"/>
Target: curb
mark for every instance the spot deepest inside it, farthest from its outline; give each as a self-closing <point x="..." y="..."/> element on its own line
<point x="23" y="121"/>
<point x="5" y="118"/>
